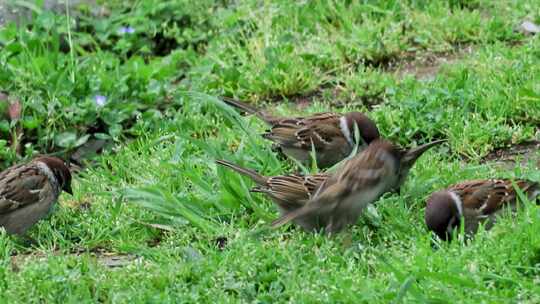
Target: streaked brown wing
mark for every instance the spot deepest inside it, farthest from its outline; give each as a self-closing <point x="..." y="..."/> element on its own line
<point x="507" y="191"/>
<point x="307" y="120"/>
<point x="320" y="135"/>
<point x="366" y="169"/>
<point x="19" y="187"/>
<point x="283" y="134"/>
<point x="473" y="193"/>
<point x="485" y="196"/>
<point x="322" y="204"/>
<point x="299" y="132"/>
<point x="502" y="193"/>
<point x="295" y="189"/>
<point x="530" y="188"/>
<point x="313" y="182"/>
<point x="10" y="171"/>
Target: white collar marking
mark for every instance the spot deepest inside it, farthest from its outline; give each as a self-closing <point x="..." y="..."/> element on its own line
<point x="457" y="201"/>
<point x="345" y="130"/>
<point x="50" y="175"/>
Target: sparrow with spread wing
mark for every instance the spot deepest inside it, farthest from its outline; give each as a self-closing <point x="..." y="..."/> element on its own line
<point x="340" y="199"/>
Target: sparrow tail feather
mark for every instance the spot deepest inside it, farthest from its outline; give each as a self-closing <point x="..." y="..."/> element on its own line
<point x="254" y="175"/>
<point x="248" y="109"/>
<point x="240" y="105"/>
<point x="259" y="190"/>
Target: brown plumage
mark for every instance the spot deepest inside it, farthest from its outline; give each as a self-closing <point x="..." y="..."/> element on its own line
<point x="342" y="197"/>
<point x="29" y="191"/>
<point x="289" y="192"/>
<point x="331" y="135"/>
<point x="473" y="202"/>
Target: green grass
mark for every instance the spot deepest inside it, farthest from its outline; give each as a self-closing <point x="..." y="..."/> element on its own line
<point x="157" y="194"/>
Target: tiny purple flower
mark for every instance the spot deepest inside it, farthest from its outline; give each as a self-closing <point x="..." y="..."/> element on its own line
<point x="126" y="30"/>
<point x="100" y="100"/>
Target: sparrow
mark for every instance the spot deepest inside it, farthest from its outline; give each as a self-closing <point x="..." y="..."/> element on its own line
<point x="288" y="192"/>
<point x="474" y="202"/>
<point x="340" y="199"/>
<point x="29" y="191"/>
<point x="331" y="135"/>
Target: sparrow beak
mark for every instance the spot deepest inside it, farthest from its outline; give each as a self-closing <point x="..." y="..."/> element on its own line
<point x="67" y="189"/>
<point x="410" y="156"/>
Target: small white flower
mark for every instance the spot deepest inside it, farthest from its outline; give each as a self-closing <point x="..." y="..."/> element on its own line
<point x="126" y="30"/>
<point x="100" y="100"/>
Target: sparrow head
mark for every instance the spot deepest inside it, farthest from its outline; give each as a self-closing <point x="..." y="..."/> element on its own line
<point x="409" y="157"/>
<point x="60" y="171"/>
<point x="368" y="129"/>
<point x="443" y="213"/>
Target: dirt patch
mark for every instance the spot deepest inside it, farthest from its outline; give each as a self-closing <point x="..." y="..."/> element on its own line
<point x="105" y="258"/>
<point x="113" y="260"/>
<point x="336" y="95"/>
<point x="521" y="154"/>
<point x="301" y="101"/>
<point x="426" y="66"/>
<point x="422" y="65"/>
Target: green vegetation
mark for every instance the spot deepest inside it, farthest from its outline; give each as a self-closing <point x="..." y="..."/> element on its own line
<point x="144" y="75"/>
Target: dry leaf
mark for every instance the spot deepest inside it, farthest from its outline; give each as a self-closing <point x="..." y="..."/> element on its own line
<point x="14" y="110"/>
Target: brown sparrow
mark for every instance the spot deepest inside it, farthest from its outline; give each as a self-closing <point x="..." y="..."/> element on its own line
<point x="29" y="191"/>
<point x="474" y="202"/>
<point x="330" y="134"/>
<point x="341" y="198"/>
<point x="289" y="192"/>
